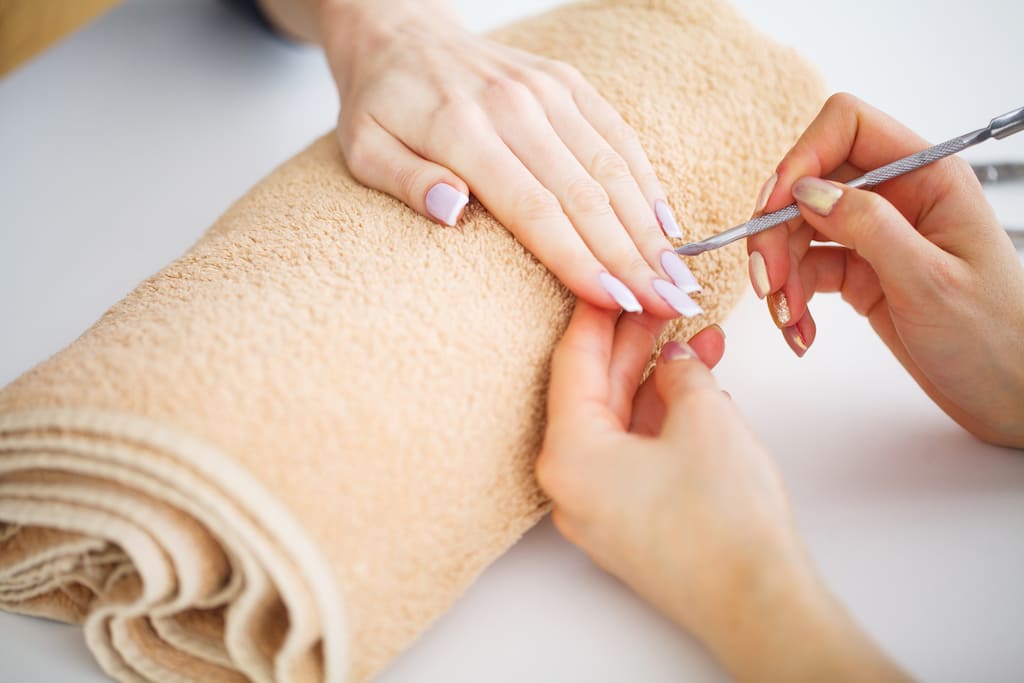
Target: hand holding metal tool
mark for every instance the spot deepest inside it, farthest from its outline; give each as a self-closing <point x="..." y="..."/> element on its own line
<point x="998" y="128"/>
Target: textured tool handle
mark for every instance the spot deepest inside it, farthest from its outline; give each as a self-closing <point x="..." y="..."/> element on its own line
<point x="999" y="127"/>
<point x="875" y="177"/>
<point x="915" y="161"/>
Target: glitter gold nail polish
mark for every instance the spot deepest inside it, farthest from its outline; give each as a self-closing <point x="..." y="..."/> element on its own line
<point x="778" y="306"/>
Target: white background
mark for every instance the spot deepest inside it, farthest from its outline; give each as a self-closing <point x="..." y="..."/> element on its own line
<point x="121" y="145"/>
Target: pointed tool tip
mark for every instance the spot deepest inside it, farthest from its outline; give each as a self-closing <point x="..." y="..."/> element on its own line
<point x="690" y="249"/>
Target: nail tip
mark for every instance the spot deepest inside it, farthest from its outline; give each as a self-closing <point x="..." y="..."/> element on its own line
<point x="667" y="218"/>
<point x="620" y="293"/>
<point x="677" y="299"/>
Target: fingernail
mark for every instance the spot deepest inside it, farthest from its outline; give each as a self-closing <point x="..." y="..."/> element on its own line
<point x="677" y="299"/>
<point x="759" y="275"/>
<point x="778" y="306"/>
<point x="445" y="203"/>
<point x="620" y="292"/>
<point x="667" y="219"/>
<point x="795" y="340"/>
<point x="720" y="330"/>
<point x="765" y="193"/>
<point x="817" y="195"/>
<point x="679" y="272"/>
<point x="674" y="350"/>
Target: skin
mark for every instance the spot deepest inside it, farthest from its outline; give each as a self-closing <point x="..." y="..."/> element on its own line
<point x="923" y="258"/>
<point x="664" y="485"/>
<point x="426" y="102"/>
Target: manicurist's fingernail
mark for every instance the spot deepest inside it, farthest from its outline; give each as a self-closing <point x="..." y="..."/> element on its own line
<point x="445" y="203"/>
<point x="674" y="350"/>
<point x="667" y="219"/>
<point x="679" y="272"/>
<point x="675" y="298"/>
<point x="795" y="340"/>
<point x="765" y="193"/>
<point x="620" y="292"/>
<point x="817" y="195"/>
<point x="778" y="306"/>
<point x="759" y="274"/>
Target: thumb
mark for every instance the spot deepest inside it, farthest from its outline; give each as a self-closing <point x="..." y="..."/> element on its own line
<point x="867" y="223"/>
<point x="379" y="160"/>
<point x="679" y="377"/>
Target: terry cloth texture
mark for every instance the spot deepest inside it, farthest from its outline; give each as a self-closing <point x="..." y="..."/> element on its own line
<point x="284" y="455"/>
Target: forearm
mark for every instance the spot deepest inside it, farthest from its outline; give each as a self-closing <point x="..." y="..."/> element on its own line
<point x="796" y="635"/>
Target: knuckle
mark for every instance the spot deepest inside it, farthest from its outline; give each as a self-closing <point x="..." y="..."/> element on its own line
<point x="946" y="278"/>
<point x="586" y="196"/>
<point x="359" y="151"/>
<point x="623" y="136"/>
<point x="609" y="166"/>
<point x="637" y="266"/>
<point x="538" y="204"/>
<point x="841" y="101"/>
<point x="565" y="73"/>
<point x="407" y="180"/>
<point x="454" y="113"/>
<point x="509" y="92"/>
<point x="871" y="216"/>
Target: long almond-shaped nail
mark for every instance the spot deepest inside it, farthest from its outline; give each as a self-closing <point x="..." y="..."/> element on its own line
<point x="675" y="298"/>
<point x="620" y="292"/>
<point x="667" y="219"/>
<point x="817" y="195"/>
<point x="674" y="350"/>
<point x="765" y="193"/>
<point x="679" y="272"/>
<point x="795" y="340"/>
<point x="445" y="203"/>
<point x="778" y="306"/>
<point x="759" y="275"/>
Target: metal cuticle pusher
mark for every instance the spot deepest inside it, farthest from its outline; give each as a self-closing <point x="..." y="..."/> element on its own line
<point x="998" y="128"/>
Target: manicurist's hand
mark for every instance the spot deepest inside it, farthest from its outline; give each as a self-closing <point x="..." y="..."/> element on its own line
<point x="922" y="257"/>
<point x="431" y="112"/>
<point x="664" y="486"/>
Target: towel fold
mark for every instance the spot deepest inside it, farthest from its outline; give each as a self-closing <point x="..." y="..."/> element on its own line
<point x="284" y="455"/>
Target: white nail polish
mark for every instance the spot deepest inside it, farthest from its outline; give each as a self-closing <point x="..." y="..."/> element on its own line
<point x="680" y="274"/>
<point x="675" y="298"/>
<point x="765" y="193"/>
<point x="667" y="219"/>
<point x="759" y="275"/>
<point x="445" y="203"/>
<point x="620" y="292"/>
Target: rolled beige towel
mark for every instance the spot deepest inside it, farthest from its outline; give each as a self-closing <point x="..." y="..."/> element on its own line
<point x="284" y="455"/>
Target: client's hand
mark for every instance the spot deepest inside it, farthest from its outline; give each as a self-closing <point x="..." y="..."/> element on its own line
<point x="431" y="112"/>
<point x="665" y="486"/>
<point x="923" y="258"/>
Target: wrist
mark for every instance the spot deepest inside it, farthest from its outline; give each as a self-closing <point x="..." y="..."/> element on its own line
<point x="352" y="28"/>
<point x="792" y="629"/>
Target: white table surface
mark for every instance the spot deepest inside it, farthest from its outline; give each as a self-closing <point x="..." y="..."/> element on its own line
<point x="122" y="144"/>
